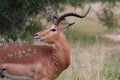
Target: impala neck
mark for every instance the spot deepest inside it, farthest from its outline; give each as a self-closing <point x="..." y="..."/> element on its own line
<point x="62" y="51"/>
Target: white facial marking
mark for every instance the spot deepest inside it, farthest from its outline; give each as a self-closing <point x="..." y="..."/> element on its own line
<point x="52" y="27"/>
<point x="53" y="45"/>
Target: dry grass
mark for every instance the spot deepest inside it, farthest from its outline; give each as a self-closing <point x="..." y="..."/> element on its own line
<point x="94" y="62"/>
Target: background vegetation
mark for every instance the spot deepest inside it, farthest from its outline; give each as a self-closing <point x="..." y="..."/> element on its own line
<point x="17" y="16"/>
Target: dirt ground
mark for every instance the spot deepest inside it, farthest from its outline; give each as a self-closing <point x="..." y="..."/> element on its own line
<point x="114" y="37"/>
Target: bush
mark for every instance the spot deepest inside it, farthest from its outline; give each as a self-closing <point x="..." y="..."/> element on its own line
<point x="108" y="16"/>
<point x="15" y="13"/>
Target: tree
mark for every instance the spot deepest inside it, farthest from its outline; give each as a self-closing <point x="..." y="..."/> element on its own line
<point x="107" y="15"/>
<point x="15" y="13"/>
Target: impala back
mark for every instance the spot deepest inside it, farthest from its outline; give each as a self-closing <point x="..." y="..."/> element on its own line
<point x="23" y="53"/>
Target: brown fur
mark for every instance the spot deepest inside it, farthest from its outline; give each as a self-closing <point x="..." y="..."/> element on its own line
<point x="38" y="62"/>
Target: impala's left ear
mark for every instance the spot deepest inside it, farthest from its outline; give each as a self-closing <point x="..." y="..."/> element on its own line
<point x="67" y="25"/>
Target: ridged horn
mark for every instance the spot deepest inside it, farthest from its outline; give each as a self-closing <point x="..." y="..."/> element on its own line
<point x="71" y="14"/>
<point x="52" y="16"/>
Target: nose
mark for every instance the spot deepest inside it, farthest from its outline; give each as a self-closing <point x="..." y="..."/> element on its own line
<point x="36" y="34"/>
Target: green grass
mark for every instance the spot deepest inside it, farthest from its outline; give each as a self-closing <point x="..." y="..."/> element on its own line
<point x="75" y="35"/>
<point x="111" y="68"/>
<point x="84" y="37"/>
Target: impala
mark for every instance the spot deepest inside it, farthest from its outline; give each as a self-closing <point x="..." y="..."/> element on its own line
<point x="38" y="62"/>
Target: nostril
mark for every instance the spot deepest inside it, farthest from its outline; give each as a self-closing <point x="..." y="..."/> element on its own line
<point x="36" y="34"/>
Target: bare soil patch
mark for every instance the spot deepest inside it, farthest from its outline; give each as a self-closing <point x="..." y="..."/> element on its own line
<point x="114" y="37"/>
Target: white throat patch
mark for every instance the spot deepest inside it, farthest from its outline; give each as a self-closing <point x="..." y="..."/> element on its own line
<point x="53" y="45"/>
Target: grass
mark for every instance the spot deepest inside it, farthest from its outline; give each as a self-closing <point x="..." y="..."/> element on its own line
<point x="87" y="34"/>
<point x="91" y="55"/>
<point x="95" y="62"/>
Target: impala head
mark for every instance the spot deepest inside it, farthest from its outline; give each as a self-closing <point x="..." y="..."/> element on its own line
<point x="52" y="32"/>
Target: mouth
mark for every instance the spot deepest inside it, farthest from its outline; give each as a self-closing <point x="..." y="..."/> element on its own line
<point x="37" y="38"/>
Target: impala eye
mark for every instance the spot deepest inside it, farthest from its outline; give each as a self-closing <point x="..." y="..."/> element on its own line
<point x="53" y="30"/>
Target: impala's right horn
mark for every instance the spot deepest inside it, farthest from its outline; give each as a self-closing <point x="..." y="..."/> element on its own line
<point x="71" y="14"/>
<point x="52" y="16"/>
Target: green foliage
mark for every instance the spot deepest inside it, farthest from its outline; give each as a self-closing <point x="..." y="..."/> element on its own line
<point x="15" y="13"/>
<point x="76" y="2"/>
<point x="112" y="2"/>
<point x="108" y="16"/>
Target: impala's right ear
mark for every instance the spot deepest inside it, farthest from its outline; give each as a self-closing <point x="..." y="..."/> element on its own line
<point x="70" y="24"/>
<point x="67" y="25"/>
